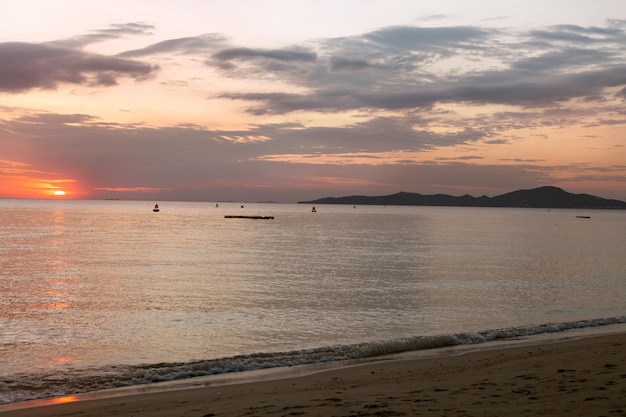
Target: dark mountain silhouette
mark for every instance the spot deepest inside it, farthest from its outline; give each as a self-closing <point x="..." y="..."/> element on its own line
<point x="542" y="197"/>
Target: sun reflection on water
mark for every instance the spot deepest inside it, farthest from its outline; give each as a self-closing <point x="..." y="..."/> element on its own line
<point x="65" y="360"/>
<point x="65" y="399"/>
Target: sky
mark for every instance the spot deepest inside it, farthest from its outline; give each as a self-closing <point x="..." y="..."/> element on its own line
<point x="291" y="100"/>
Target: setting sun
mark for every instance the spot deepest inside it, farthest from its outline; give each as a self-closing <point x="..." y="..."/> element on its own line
<point x="59" y="193"/>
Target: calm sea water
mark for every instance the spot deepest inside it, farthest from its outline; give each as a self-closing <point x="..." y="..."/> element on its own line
<point x="99" y="294"/>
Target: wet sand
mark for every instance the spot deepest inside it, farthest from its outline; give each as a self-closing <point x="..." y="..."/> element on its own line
<point x="584" y="377"/>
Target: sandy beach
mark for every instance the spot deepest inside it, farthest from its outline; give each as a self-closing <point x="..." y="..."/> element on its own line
<point x="584" y="377"/>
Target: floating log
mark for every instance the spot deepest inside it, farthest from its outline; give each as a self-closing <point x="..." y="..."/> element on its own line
<point x="249" y="217"/>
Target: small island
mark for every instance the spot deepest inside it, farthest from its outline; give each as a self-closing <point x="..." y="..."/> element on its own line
<point x="542" y="197"/>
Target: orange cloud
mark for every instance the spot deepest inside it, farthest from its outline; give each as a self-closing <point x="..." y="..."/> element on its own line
<point x="19" y="180"/>
<point x="132" y="189"/>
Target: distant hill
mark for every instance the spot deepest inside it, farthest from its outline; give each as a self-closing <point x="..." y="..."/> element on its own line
<point x="542" y="197"/>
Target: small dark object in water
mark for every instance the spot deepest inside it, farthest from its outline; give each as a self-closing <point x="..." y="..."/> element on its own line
<point x="249" y="217"/>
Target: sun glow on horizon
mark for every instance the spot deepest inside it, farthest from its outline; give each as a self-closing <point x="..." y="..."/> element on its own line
<point x="59" y="193"/>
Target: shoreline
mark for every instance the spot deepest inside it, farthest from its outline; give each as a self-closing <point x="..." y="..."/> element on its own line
<point x="573" y="375"/>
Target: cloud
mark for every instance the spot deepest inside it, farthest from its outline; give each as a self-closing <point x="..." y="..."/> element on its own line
<point x="147" y="154"/>
<point x="25" y="66"/>
<point x="338" y="63"/>
<point x="461" y="158"/>
<point x="132" y="190"/>
<point x="188" y="45"/>
<point x="433" y="39"/>
<point x="579" y="35"/>
<point x="562" y="60"/>
<point x="115" y="31"/>
<point x="248" y="54"/>
<point x="367" y="113"/>
<point x="400" y="69"/>
<point x="195" y="163"/>
<point x="288" y="64"/>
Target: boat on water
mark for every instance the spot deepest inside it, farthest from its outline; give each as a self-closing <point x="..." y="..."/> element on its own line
<point x="230" y="216"/>
<point x="313" y="210"/>
<point x="156" y="208"/>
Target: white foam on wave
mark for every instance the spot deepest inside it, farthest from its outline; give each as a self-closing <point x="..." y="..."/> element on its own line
<point x="24" y="386"/>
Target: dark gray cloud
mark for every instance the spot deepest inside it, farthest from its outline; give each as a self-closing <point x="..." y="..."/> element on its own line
<point x="246" y="54"/>
<point x="567" y="59"/>
<point x="191" y="163"/>
<point x="115" y="31"/>
<point x="435" y="39"/>
<point x="392" y="53"/>
<point x="25" y="66"/>
<point x="496" y="87"/>
<point x="578" y="35"/>
<point x="84" y="141"/>
<point x="288" y="64"/>
<point x="89" y="137"/>
<point x="532" y="90"/>
<point x="393" y="58"/>
<point x="188" y="45"/>
<point x="338" y="63"/>
<point x="396" y="69"/>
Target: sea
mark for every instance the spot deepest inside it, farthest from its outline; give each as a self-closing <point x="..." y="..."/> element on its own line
<point x="98" y="295"/>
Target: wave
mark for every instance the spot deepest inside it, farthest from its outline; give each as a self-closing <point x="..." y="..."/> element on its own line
<point x="25" y="386"/>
